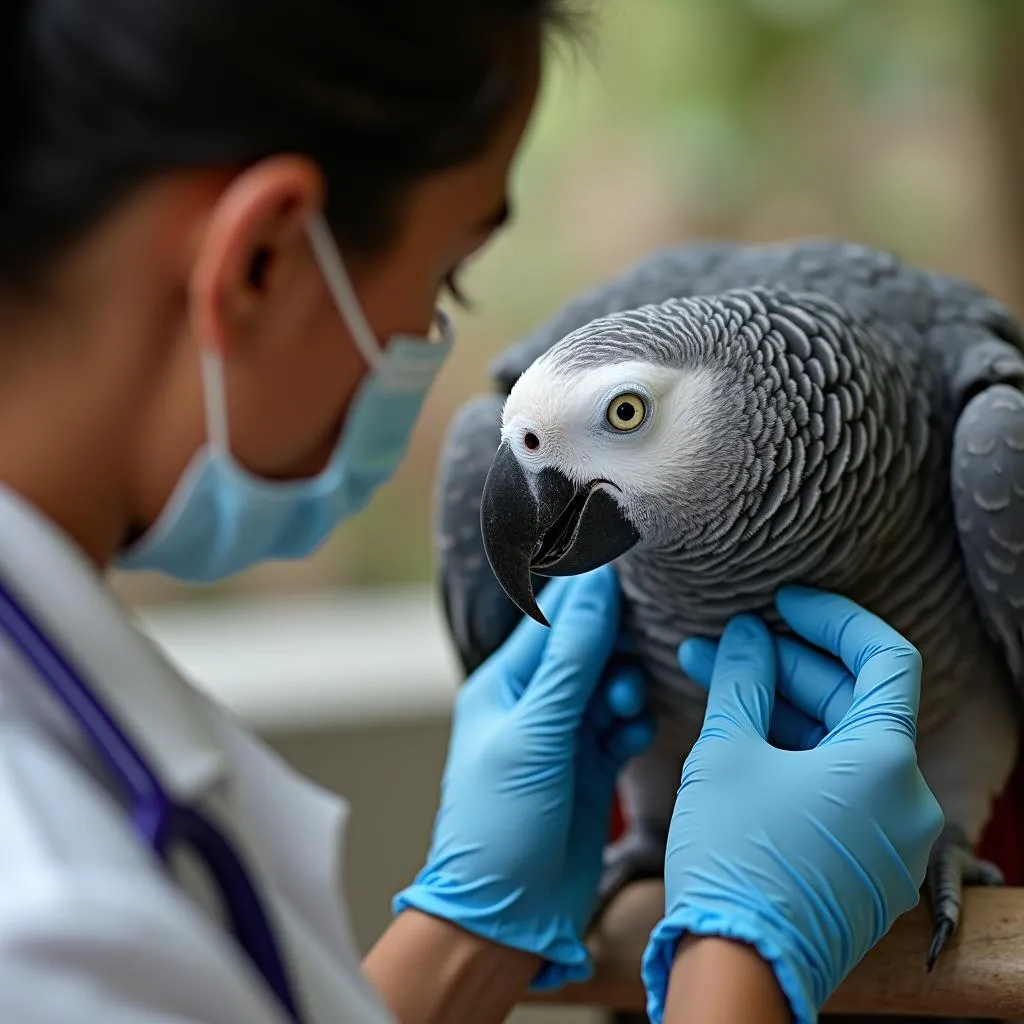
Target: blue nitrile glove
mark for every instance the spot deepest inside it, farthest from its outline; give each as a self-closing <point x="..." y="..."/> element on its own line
<point x="813" y="692"/>
<point x="540" y="732"/>
<point x="808" y="855"/>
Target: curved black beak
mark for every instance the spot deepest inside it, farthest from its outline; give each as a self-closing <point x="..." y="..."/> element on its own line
<point x="543" y="523"/>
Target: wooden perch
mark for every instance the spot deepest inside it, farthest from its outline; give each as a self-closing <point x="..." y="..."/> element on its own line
<point x="980" y="973"/>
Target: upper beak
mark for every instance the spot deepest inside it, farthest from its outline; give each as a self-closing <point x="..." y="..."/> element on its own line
<point x="545" y="524"/>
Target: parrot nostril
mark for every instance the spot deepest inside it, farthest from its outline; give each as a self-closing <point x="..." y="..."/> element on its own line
<point x="531" y="440"/>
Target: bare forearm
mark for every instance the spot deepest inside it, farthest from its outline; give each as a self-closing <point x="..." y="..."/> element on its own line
<point x="429" y="971"/>
<point x="717" y="981"/>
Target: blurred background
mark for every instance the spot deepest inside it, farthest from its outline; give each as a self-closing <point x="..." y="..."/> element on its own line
<point x="897" y="123"/>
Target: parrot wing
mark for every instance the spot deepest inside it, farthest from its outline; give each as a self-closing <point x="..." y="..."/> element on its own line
<point x="987" y="483"/>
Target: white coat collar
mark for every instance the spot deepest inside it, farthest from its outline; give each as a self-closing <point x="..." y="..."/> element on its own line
<point x="70" y="602"/>
<point x="290" y="830"/>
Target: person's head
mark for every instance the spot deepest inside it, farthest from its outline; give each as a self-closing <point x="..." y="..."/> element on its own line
<point x="159" y="163"/>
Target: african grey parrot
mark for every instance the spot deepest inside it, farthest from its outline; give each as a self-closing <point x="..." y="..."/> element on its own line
<point x="722" y="419"/>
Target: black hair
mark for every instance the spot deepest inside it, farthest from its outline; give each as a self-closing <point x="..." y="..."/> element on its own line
<point x="99" y="96"/>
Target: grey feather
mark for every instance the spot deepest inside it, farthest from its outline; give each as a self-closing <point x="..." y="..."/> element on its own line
<point x="652" y="279"/>
<point x="988" y="492"/>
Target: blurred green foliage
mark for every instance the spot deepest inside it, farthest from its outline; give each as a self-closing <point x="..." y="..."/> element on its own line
<point x="878" y="120"/>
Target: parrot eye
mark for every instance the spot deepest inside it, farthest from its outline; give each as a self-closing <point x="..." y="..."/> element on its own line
<point x="626" y="412"/>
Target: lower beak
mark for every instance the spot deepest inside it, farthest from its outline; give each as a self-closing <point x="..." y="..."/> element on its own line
<point x="543" y="523"/>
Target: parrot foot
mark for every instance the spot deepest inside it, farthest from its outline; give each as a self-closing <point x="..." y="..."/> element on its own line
<point x="951" y="866"/>
<point x="638" y="855"/>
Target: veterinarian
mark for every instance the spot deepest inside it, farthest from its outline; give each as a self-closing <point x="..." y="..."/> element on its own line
<point x="224" y="226"/>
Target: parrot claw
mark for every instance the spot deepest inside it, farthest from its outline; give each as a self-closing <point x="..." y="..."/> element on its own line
<point x="951" y="866"/>
<point x="941" y="932"/>
<point x="636" y="856"/>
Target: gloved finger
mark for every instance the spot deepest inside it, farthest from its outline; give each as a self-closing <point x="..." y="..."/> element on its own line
<point x="742" y="690"/>
<point x="627" y="739"/>
<point x="886" y="665"/>
<point x="697" y="659"/>
<point x="583" y="634"/>
<point x="819" y="686"/>
<point x="792" y="729"/>
<point x="621" y="695"/>
<point x="627" y="691"/>
<point x="522" y="652"/>
<point x="811" y="682"/>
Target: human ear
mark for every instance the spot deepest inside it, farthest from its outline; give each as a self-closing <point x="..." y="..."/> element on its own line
<point x="255" y="234"/>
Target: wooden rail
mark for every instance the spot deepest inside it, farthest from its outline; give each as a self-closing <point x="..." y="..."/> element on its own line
<point x="980" y="973"/>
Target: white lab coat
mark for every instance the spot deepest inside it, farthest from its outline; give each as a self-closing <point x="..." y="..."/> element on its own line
<point x="92" y="928"/>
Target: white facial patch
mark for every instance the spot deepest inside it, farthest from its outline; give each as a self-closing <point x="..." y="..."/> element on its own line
<point x="557" y="417"/>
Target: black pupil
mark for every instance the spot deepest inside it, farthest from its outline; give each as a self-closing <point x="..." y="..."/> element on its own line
<point x="625" y="411"/>
<point x="532" y="441"/>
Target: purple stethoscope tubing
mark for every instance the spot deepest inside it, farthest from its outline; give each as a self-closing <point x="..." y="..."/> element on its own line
<point x="158" y="820"/>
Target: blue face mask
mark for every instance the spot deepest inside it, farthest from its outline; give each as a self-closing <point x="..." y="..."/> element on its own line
<point x="222" y="519"/>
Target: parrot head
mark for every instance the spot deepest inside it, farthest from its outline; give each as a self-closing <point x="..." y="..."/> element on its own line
<point x="623" y="433"/>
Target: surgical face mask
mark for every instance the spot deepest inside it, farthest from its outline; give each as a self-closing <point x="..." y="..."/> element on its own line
<point x="222" y="519"/>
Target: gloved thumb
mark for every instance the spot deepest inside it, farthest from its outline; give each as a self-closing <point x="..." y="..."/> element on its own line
<point x="581" y="640"/>
<point x="742" y="690"/>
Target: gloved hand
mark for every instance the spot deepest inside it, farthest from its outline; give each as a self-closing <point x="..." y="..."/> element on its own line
<point x="540" y="732"/>
<point x="807" y="855"/>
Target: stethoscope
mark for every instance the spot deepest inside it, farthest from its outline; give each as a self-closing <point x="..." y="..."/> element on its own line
<point x="157" y="818"/>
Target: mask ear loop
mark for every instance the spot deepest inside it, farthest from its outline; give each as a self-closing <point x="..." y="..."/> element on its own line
<point x="215" y="402"/>
<point x="340" y="286"/>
